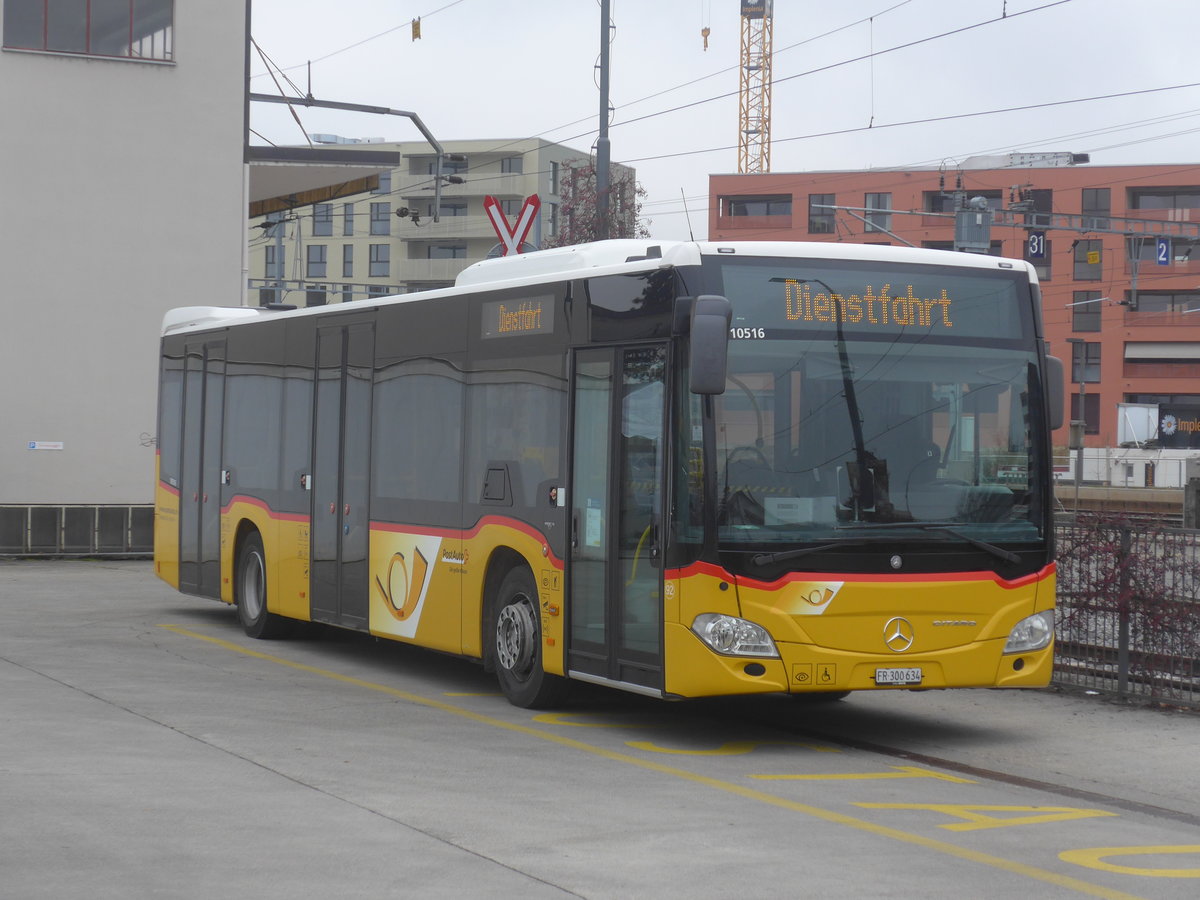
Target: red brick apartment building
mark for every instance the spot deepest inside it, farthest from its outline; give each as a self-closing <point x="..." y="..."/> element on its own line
<point x="1119" y="268"/>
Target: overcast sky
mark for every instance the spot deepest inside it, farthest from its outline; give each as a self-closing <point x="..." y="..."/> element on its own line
<point x="845" y="83"/>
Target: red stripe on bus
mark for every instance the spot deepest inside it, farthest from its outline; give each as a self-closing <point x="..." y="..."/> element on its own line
<point x="701" y="568"/>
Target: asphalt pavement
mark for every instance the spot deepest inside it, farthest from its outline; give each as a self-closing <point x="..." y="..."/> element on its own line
<point x="149" y="749"/>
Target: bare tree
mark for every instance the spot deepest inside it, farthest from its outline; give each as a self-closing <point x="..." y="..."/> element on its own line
<point x="578" y="221"/>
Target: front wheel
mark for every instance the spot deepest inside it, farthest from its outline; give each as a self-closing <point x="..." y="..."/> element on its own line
<point x="250" y="592"/>
<point x="517" y="632"/>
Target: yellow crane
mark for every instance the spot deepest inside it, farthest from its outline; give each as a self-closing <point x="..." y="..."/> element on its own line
<point x="754" y="103"/>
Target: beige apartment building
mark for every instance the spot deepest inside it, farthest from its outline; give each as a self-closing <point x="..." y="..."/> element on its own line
<point x="386" y="240"/>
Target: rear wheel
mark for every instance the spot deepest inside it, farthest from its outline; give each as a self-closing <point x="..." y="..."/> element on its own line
<point x="250" y="592"/>
<point x="517" y="636"/>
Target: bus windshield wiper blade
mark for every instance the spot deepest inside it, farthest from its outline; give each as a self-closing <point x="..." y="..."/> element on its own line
<point x="765" y="559"/>
<point x="998" y="552"/>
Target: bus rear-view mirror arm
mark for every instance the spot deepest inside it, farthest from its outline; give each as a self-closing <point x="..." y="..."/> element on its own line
<point x="710" y="320"/>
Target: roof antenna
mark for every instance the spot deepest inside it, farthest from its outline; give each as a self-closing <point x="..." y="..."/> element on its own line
<point x="691" y="236"/>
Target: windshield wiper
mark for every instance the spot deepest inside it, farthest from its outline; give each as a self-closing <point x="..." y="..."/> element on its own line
<point x="765" y="559"/>
<point x="998" y="552"/>
<point x="950" y="528"/>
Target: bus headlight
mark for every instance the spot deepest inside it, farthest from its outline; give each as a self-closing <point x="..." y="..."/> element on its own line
<point x="1032" y="633"/>
<point x="733" y="636"/>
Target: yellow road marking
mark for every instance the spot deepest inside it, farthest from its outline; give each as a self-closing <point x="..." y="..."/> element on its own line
<point x="728" y="787"/>
<point x="976" y="820"/>
<point x="901" y="772"/>
<point x="567" y="719"/>
<point x="1094" y="859"/>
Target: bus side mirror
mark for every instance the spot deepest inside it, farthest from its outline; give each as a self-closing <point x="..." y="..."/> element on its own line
<point x="1056" y="392"/>
<point x="711" y="316"/>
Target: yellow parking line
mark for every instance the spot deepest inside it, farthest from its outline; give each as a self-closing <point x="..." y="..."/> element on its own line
<point x="729" y="787"/>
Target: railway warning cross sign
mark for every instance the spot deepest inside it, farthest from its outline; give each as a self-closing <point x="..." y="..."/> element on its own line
<point x="512" y="237"/>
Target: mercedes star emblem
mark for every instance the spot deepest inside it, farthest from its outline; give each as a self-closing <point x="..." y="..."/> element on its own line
<point x="898" y="634"/>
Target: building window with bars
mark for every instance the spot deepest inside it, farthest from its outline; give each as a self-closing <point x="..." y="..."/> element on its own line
<point x="119" y="29"/>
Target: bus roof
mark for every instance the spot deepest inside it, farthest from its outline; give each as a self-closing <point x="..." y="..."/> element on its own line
<point x="609" y="258"/>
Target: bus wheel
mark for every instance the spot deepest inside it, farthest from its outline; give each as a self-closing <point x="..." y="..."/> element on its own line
<point x="518" y="635"/>
<point x="250" y="592"/>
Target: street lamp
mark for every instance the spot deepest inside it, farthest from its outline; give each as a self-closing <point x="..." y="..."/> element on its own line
<point x="1078" y="426"/>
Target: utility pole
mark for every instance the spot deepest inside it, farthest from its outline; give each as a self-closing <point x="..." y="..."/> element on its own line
<point x="603" y="150"/>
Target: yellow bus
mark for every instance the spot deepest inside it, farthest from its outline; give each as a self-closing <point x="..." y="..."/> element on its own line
<point x="678" y="469"/>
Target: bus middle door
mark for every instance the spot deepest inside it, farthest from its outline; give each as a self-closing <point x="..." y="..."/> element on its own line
<point x="340" y="491"/>
<point x="615" y="607"/>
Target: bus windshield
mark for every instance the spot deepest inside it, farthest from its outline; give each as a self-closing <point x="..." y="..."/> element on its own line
<point x="876" y="399"/>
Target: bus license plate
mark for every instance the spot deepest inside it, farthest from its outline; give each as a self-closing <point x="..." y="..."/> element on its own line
<point x="898" y="676"/>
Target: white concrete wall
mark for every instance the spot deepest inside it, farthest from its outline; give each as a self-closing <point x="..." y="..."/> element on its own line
<point x="123" y="198"/>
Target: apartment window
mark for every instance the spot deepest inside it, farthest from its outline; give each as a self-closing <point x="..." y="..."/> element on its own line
<point x="315" y="261"/>
<point x="322" y="220"/>
<point x="512" y="165"/>
<point x="381" y="218"/>
<point x="449" y="167"/>
<point x="272" y="262"/>
<point x="347" y="293"/>
<point x="385" y="183"/>
<point x="552" y="218"/>
<point x="1165" y="302"/>
<point x="447" y="251"/>
<point x="554" y="175"/>
<point x="943" y="202"/>
<point x="1091" y="412"/>
<point x="378" y="290"/>
<point x="512" y="208"/>
<point x="316" y="296"/>
<point x="1085" y="362"/>
<point x="879" y="221"/>
<point x="123" y="29"/>
<point x="381" y="260"/>
<point x="347" y="219"/>
<point x="820" y="221"/>
<point x="1165" y="198"/>
<point x="1085" y="310"/>
<point x="766" y="205"/>
<point x="347" y="260"/>
<point x="1089" y="260"/>
<point x="1096" y="206"/>
<point x="453" y="208"/>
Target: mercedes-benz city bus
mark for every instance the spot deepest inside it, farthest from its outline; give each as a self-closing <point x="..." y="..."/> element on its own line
<point x="682" y="470"/>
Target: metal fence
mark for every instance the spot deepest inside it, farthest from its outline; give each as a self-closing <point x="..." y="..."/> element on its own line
<point x="1128" y="617"/>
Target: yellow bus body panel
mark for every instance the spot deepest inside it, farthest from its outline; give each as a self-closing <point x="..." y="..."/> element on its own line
<point x="427" y="585"/>
<point x="166" y="532"/>
<point x="831" y="631"/>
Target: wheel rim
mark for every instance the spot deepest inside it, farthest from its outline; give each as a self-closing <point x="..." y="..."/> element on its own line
<point x="254" y="586"/>
<point x="516" y="637"/>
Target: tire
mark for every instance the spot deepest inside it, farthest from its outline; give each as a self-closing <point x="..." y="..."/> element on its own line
<point x="517" y="645"/>
<point x="250" y="592"/>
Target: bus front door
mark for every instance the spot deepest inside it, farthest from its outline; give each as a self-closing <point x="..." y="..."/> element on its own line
<point x="341" y="454"/>
<point x="614" y="605"/>
<point x="200" y="469"/>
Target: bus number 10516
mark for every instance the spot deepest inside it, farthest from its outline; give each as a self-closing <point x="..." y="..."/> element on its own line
<point x="741" y="334"/>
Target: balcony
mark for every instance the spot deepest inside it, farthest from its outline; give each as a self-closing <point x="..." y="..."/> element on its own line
<point x="412" y="187"/>
<point x="450" y="227"/>
<point x="431" y="269"/>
